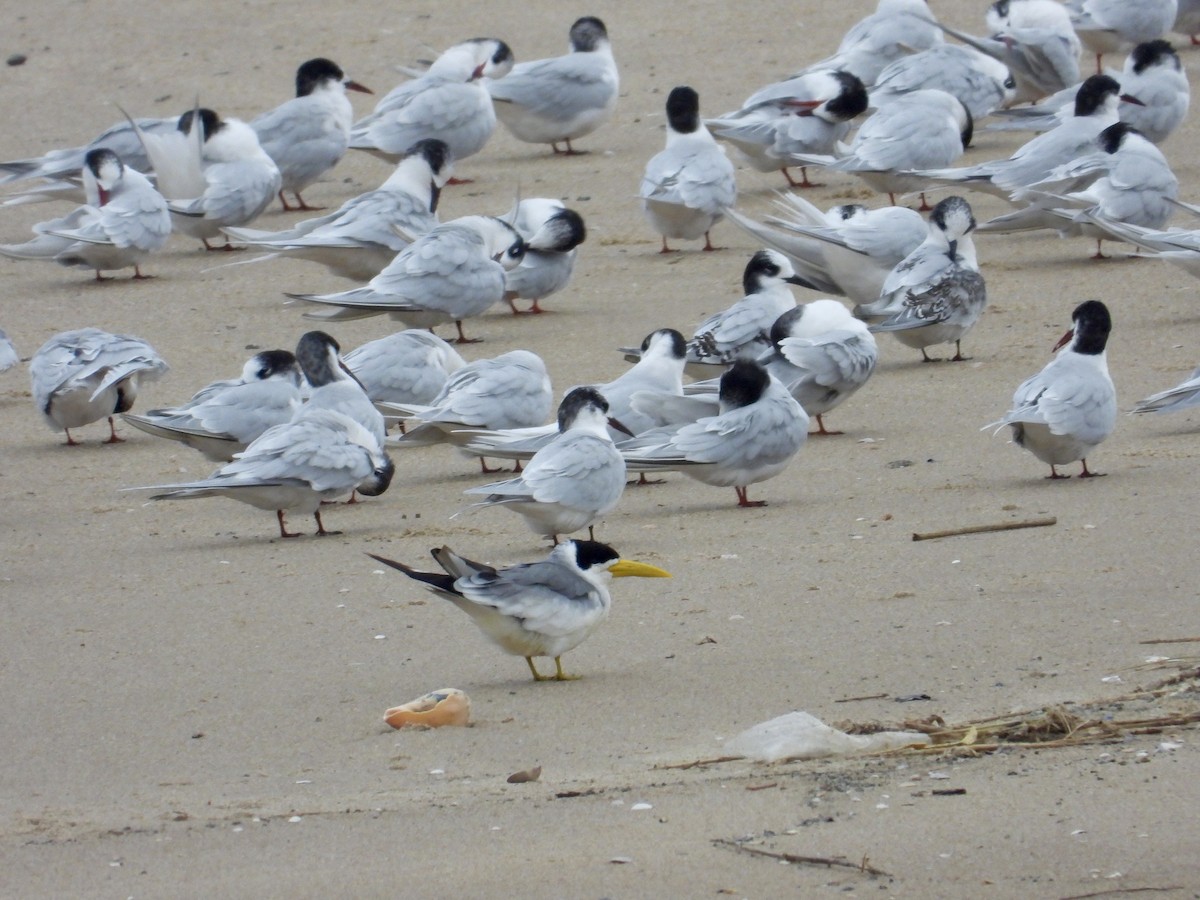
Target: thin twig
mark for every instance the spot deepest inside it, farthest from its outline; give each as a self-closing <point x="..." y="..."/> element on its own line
<point x="867" y="697"/>
<point x="697" y="763"/>
<point x="981" y="529"/>
<point x="828" y="861"/>
<point x="1188" y="640"/>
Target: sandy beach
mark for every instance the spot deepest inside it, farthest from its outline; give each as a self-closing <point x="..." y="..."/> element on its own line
<point x="193" y="707"/>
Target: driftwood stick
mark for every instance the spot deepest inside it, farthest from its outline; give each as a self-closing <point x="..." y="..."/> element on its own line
<point x="827" y="861"/>
<point x="1128" y="890"/>
<point x="1188" y="640"/>
<point x="982" y="529"/>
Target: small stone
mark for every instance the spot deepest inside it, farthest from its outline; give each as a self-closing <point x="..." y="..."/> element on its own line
<point x="17" y="59"/>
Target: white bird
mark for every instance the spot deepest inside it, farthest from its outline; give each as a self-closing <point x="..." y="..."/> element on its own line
<point x="8" y="352"/>
<point x="820" y="353"/>
<point x="572" y="482"/>
<point x="756" y="431"/>
<point x="511" y="390"/>
<point x="848" y="250"/>
<point x="546" y="608"/>
<point x="687" y="187"/>
<point x="224" y="417"/>
<point x="1126" y="181"/>
<point x="410" y="366"/>
<point x="448" y="275"/>
<point x="86" y="375"/>
<point x="1035" y="41"/>
<point x="551" y="232"/>
<point x="213" y="175"/>
<point x="364" y="234"/>
<point x="334" y="385"/>
<point x="309" y="134"/>
<point x="448" y="102"/>
<point x="982" y="84"/>
<point x="563" y="98"/>
<point x="895" y="29"/>
<point x="1111" y="26"/>
<point x="1185" y="395"/>
<point x="124" y="220"/>
<point x="809" y="113"/>
<point x="295" y="467"/>
<point x="1152" y="73"/>
<point x="659" y="368"/>
<point x="742" y="329"/>
<point x="936" y="294"/>
<point x="1095" y="109"/>
<point x="918" y="130"/>
<point x="1069" y="408"/>
<point x="455" y="271"/>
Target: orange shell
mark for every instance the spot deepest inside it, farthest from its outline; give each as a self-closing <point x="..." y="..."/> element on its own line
<point x="448" y="706"/>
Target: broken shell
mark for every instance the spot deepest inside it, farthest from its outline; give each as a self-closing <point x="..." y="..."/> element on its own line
<point x="448" y="706"/>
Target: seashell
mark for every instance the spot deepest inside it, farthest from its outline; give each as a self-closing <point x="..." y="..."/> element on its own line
<point x="447" y="706"/>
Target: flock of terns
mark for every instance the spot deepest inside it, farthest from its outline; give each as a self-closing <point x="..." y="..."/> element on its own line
<point x="301" y="428"/>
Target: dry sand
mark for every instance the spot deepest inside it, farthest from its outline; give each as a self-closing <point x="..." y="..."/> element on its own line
<point x="192" y="707"/>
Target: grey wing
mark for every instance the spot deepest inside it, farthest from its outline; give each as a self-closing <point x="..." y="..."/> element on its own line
<point x="309" y="449"/>
<point x="770" y="430"/>
<point x="140" y="220"/>
<point x="547" y="598"/>
<point x="729" y="331"/>
<point x="1183" y="396"/>
<point x="1079" y="405"/>
<point x="835" y="360"/>
<point x="246" y="410"/>
<point x="958" y="299"/>
<point x="578" y="470"/>
<point x="439" y="271"/>
<point x="904" y="136"/>
<point x="557" y="88"/>
<point x="239" y="191"/>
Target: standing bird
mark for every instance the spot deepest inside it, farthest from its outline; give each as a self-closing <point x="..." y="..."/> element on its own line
<point x="1068" y="409"/>
<point x="1152" y="73"/>
<point x="849" y="250"/>
<point x="574" y="480"/>
<point x="687" y="187"/>
<point x="86" y="375"/>
<point x="916" y="130"/>
<point x="936" y="294"/>
<point x="756" y="430"/>
<point x="1035" y="41"/>
<point x="896" y="29"/>
<point x="1095" y="109"/>
<point x="981" y="84"/>
<point x="563" y="98"/>
<point x="318" y="456"/>
<point x="448" y="102"/>
<point x="1110" y="26"/>
<point x="124" y="221"/>
<point x="364" y="234"/>
<point x="410" y="366"/>
<point x="742" y="329"/>
<point x="454" y="272"/>
<point x="534" y="609"/>
<point x="809" y="113"/>
<point x="551" y="232"/>
<point x="309" y="134"/>
<point x="213" y="172"/>
<point x="511" y="390"/>
<point x="1126" y="181"/>
<point x="223" y="418"/>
